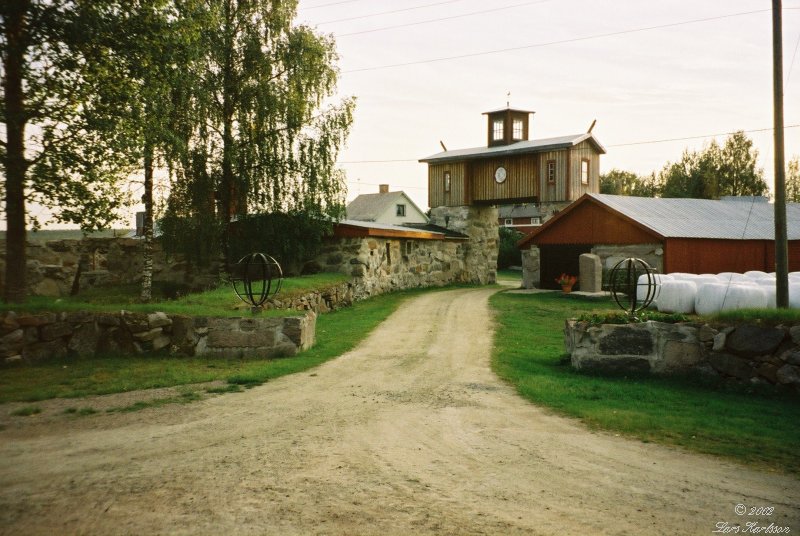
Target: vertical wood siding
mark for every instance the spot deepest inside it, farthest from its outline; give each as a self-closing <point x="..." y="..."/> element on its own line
<point x="553" y="192"/>
<point x="522" y="178"/>
<point x="584" y="150"/>
<point x="708" y="256"/>
<point x="437" y="197"/>
<point x="590" y="223"/>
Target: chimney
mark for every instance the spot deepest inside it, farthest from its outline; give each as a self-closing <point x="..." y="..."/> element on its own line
<point x="383" y="189"/>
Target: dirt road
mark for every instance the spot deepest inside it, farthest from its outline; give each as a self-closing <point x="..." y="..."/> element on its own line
<point x="410" y="433"/>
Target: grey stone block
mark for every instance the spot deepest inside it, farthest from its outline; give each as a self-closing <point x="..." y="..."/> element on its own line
<point x="749" y="341"/>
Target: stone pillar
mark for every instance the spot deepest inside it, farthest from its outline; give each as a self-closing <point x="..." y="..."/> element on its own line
<point x="479" y="223"/>
<point x="590" y="276"/>
<point x="530" y="268"/>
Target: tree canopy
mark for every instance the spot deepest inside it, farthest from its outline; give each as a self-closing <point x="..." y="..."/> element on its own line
<point x="267" y="135"/>
<point x="61" y="111"/>
<point x="713" y="172"/>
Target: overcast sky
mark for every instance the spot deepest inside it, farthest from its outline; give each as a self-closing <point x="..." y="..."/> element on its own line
<point x="641" y="68"/>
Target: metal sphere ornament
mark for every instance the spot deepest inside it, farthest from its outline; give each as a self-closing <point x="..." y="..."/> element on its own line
<point x="256" y="278"/>
<point x="630" y="294"/>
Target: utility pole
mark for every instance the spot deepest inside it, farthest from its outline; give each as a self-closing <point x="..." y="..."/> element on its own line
<point x="781" y="238"/>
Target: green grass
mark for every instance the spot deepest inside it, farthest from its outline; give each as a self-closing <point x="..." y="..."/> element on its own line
<point x="337" y="332"/>
<point x="754" y="428"/>
<point x="26" y="411"/>
<point x="762" y="316"/>
<point x="217" y="302"/>
<point x="509" y="275"/>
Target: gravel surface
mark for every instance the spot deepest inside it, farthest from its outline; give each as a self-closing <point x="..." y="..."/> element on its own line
<point x="410" y="433"/>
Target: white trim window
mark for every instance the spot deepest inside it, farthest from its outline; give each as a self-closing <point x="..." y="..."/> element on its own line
<point x="536" y="220"/>
<point x="508" y="222"/>
<point x="585" y="171"/>
<point x="497" y="130"/>
<point x="401" y="211"/>
<point x="517" y="129"/>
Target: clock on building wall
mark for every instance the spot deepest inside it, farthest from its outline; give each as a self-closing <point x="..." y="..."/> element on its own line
<point x="500" y="174"/>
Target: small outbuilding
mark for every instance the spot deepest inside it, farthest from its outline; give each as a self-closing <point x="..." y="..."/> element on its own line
<point x="672" y="235"/>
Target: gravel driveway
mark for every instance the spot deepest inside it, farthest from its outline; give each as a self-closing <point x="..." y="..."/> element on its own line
<point x="410" y="433"/>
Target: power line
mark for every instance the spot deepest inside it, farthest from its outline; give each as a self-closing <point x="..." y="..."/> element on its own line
<point x="330" y="4"/>
<point x="559" y="42"/>
<point x="697" y="137"/>
<point x="389" y="12"/>
<point x="628" y="144"/>
<point x="443" y="18"/>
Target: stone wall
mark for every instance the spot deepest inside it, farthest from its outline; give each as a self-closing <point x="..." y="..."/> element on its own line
<point x="739" y="352"/>
<point x="379" y="265"/>
<point x="34" y="338"/>
<point x="652" y="254"/>
<point x="609" y="255"/>
<point x="53" y="266"/>
<point x="479" y="223"/>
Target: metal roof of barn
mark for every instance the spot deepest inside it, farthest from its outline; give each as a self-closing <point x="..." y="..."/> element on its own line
<point x="520" y="147"/>
<point x="704" y="218"/>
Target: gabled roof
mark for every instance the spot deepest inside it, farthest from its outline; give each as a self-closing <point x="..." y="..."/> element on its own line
<point x="369" y="207"/>
<point x="690" y="218"/>
<point x="520" y="147"/>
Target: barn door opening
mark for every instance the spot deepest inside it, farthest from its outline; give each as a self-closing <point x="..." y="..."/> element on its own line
<point x="558" y="259"/>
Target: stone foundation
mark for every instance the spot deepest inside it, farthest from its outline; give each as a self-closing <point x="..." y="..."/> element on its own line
<point x="480" y="224"/>
<point x="35" y="338"/>
<point x="743" y="352"/>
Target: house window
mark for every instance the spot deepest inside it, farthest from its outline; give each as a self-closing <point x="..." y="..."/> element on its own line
<point x="401" y="211"/>
<point x="536" y="221"/>
<point x="408" y="247"/>
<point x="497" y="129"/>
<point x="585" y="171"/>
<point x="446" y="181"/>
<point x="551" y="171"/>
<point x="517" y="129"/>
<point x="388" y="253"/>
<point x="508" y="222"/>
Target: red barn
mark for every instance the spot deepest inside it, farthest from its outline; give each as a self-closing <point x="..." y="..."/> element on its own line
<point x="674" y="235"/>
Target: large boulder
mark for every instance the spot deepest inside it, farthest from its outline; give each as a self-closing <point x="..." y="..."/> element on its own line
<point x="748" y="340"/>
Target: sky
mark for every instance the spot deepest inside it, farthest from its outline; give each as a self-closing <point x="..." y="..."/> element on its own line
<point x="423" y="71"/>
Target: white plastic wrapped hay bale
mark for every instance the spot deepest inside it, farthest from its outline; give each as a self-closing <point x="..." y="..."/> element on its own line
<point x="756" y="275"/>
<point x="677" y="297"/>
<point x="744" y="297"/>
<point x="709" y="298"/>
<point x="703" y="279"/>
<point x="730" y="277"/>
<point x="682" y="276"/>
<point x="641" y="286"/>
<point x="768" y="285"/>
<point x="794" y="294"/>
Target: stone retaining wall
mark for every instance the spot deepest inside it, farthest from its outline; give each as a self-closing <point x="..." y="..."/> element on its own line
<point x="742" y="352"/>
<point x="53" y="266"/>
<point x="33" y="338"/>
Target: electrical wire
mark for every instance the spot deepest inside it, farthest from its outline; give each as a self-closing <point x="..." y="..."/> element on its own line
<point x="389" y="12"/>
<point x="629" y="144"/>
<point x="442" y="18"/>
<point x="329" y="4"/>
<point x="558" y="42"/>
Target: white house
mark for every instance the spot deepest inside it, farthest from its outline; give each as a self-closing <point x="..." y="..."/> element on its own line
<point x="393" y="208"/>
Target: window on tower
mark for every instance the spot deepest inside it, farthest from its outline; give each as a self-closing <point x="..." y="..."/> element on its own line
<point x="585" y="171"/>
<point x="517" y="129"/>
<point x="497" y="130"/>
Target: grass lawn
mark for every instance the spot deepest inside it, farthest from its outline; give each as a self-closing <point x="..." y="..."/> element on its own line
<point x="757" y="429"/>
<point x="218" y="302"/>
<point x="509" y="275"/>
<point x="337" y="332"/>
